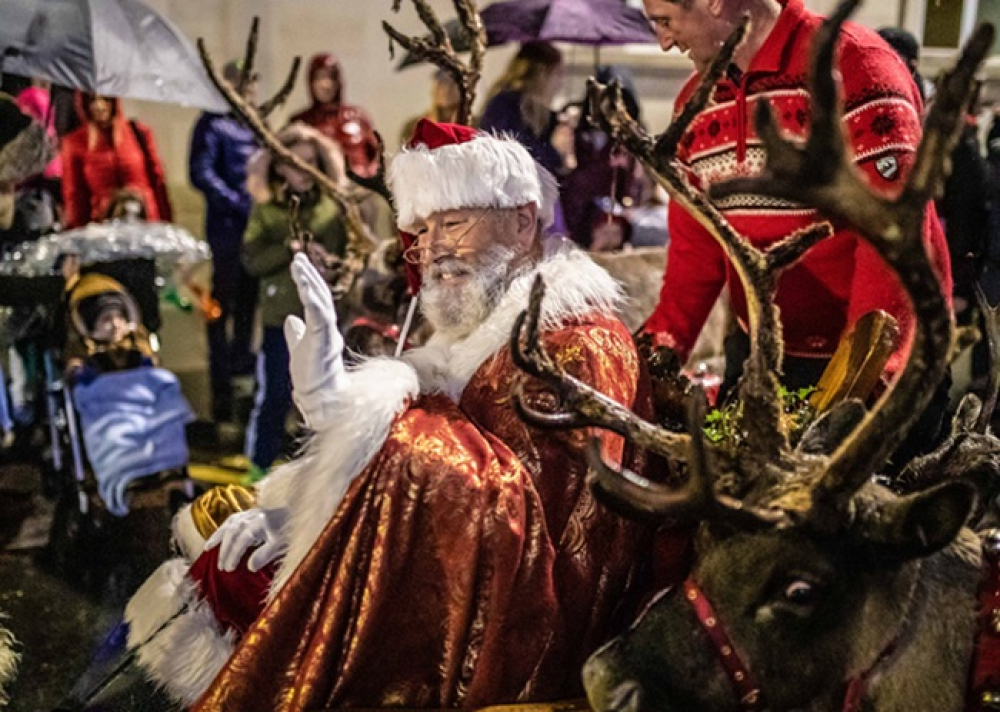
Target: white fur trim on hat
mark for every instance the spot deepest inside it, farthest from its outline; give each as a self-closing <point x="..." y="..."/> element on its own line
<point x="486" y="172"/>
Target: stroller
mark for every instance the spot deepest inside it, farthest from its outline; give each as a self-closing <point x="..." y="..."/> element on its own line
<point x="123" y="416"/>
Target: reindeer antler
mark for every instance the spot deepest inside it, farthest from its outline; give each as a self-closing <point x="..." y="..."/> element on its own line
<point x="360" y="243"/>
<point x="439" y="51"/>
<point x="821" y="174"/>
<point x="991" y="322"/>
<point x="697" y="499"/>
<point x="759" y="271"/>
<point x="582" y="405"/>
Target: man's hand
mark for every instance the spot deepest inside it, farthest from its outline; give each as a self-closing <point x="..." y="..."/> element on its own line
<point x="243" y="531"/>
<point x="316" y="348"/>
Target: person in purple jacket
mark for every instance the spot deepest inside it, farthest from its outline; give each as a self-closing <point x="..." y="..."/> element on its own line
<point x="220" y="148"/>
<point x="520" y="104"/>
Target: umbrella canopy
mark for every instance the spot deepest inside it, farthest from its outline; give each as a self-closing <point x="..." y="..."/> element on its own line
<point x="116" y="48"/>
<point x="587" y="22"/>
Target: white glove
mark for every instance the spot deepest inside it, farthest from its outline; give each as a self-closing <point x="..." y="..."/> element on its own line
<point x="245" y="530"/>
<point x="315" y="347"/>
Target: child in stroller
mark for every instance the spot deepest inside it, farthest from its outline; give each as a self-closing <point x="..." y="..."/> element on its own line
<point x="132" y="413"/>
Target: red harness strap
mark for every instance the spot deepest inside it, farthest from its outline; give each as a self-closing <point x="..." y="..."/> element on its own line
<point x="984" y="673"/>
<point x="744" y="684"/>
<point x="751" y="698"/>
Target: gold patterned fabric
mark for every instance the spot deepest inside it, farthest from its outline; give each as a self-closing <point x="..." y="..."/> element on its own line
<point x="468" y="564"/>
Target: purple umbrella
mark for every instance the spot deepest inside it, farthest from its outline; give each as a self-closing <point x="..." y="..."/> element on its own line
<point x="589" y="22"/>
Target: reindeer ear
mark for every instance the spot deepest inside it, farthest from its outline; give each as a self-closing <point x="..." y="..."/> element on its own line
<point x="920" y="524"/>
<point x="831" y="429"/>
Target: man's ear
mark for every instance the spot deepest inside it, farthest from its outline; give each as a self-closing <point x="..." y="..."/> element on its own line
<point x="527" y="220"/>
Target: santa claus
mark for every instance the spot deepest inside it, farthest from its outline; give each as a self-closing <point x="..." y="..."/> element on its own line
<point x="428" y="548"/>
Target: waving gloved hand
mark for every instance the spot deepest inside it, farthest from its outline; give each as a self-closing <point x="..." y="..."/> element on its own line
<point x="315" y="346"/>
<point x="244" y="530"/>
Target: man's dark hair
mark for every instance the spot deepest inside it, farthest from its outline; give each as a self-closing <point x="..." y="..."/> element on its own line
<point x="903" y="42"/>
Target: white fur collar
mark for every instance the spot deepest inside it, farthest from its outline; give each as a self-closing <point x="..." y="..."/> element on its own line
<point x="574" y="286"/>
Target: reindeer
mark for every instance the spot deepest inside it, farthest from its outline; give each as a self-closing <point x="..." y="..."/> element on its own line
<point x="814" y="587"/>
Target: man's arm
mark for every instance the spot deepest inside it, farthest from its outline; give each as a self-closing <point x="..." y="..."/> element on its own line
<point x="695" y="275"/>
<point x="76" y="195"/>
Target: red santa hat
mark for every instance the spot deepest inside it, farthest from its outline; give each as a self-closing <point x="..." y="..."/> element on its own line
<point x="449" y="167"/>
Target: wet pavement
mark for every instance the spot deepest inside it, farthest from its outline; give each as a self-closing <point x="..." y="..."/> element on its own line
<point x="64" y="583"/>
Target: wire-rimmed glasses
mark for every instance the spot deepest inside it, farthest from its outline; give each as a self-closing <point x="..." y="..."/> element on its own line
<point x="449" y="243"/>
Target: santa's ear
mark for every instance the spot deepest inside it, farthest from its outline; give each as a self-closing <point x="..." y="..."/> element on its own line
<point x="527" y="219"/>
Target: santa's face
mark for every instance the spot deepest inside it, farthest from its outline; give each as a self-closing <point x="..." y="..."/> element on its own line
<point x="467" y="259"/>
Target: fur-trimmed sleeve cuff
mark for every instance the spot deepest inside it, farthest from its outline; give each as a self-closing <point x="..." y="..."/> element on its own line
<point x="189" y="651"/>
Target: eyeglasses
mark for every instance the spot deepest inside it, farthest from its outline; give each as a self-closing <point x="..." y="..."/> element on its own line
<point x="453" y="233"/>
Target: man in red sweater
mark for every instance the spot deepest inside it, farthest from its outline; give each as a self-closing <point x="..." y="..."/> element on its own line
<point x="841" y="279"/>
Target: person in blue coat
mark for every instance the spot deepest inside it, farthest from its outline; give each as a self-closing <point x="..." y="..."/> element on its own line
<point x="220" y="148"/>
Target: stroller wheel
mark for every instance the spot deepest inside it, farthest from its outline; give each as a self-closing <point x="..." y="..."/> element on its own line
<point x="73" y="534"/>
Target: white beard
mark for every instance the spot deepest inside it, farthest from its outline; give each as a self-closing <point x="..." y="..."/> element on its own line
<point x="456" y="310"/>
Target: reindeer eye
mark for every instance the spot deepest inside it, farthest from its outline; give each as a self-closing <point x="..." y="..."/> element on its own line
<point x="801" y="593"/>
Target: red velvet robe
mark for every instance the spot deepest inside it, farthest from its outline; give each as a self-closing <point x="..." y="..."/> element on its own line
<point x="467" y="565"/>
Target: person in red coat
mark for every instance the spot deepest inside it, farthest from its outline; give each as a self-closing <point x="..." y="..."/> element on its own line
<point x="345" y="124"/>
<point x="106" y="154"/>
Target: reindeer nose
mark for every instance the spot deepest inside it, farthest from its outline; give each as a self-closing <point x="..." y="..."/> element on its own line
<point x="605" y="692"/>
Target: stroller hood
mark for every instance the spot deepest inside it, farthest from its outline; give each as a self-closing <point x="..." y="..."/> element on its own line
<point x="91" y="287"/>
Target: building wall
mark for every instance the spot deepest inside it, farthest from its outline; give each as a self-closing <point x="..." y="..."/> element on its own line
<point x="352" y="29"/>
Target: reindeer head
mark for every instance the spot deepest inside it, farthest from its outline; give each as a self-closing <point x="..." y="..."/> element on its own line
<point x="809" y="568"/>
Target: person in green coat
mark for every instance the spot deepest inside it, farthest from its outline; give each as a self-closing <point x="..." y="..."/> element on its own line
<point x="268" y="247"/>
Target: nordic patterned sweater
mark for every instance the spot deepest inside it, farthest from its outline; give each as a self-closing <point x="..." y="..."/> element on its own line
<point x="842" y="278"/>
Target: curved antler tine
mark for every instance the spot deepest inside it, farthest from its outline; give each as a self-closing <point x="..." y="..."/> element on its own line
<point x="548" y="421"/>
<point x="582" y="405"/>
<point x="249" y="56"/>
<point x="787" y="252"/>
<point x="526" y="350"/>
<point x="627" y="492"/>
<point x="608" y="109"/>
<point x="944" y="120"/>
<point x="666" y="144"/>
<point x="268" y="107"/>
<point x="475" y="30"/>
<point x="991" y="320"/>
<point x="431" y="22"/>
<point x="439" y="51"/>
<point x="637" y="497"/>
<point x="376" y="183"/>
<point x="825" y="133"/>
